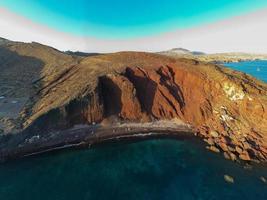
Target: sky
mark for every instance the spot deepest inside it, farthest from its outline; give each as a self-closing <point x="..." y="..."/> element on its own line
<point x="140" y="25"/>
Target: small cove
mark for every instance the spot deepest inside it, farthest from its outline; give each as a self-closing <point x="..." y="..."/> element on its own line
<point x="150" y="169"/>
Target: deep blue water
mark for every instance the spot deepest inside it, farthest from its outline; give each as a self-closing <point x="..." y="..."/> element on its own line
<point x="257" y="69"/>
<point x="153" y="169"/>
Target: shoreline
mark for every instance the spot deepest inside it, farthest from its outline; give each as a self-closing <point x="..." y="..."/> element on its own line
<point x="26" y="144"/>
<point x="239" y="61"/>
<point x="124" y="138"/>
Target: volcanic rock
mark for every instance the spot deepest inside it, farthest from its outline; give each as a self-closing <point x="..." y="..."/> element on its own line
<point x="63" y="90"/>
<point x="244" y="156"/>
<point x="263" y="179"/>
<point x="214" y="149"/>
<point x="228" y="178"/>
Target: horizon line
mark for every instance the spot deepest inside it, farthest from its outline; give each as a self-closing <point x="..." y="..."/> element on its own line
<point x="225" y="36"/>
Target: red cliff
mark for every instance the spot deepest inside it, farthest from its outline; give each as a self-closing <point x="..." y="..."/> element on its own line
<point x="228" y="109"/>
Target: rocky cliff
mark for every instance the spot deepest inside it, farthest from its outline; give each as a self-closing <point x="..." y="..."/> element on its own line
<point x="226" y="108"/>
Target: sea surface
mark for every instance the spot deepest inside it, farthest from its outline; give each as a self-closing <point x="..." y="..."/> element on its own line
<point x="256" y="68"/>
<point x="152" y="169"/>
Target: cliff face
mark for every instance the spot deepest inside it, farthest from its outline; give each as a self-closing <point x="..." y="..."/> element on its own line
<point x="226" y="108"/>
<point x="120" y="98"/>
<point x="230" y="113"/>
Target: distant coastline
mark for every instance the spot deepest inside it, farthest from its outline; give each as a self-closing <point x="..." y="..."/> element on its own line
<point x="217" y="58"/>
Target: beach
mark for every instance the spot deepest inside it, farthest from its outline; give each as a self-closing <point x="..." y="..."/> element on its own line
<point x="83" y="136"/>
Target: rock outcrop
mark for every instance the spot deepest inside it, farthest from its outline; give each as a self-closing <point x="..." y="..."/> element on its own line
<point x="120" y="97"/>
<point x="230" y="114"/>
<point x="226" y="108"/>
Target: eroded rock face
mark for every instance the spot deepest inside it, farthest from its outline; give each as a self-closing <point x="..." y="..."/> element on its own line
<point x="120" y="97"/>
<point x="229" y="116"/>
<point x="89" y="108"/>
<point x="226" y="108"/>
<point x="166" y="92"/>
<point x="82" y="110"/>
<point x="159" y="95"/>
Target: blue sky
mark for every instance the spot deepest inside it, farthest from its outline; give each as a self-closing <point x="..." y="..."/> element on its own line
<point x="126" y="19"/>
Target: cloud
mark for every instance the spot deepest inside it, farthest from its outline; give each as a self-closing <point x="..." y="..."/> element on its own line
<point x="246" y="33"/>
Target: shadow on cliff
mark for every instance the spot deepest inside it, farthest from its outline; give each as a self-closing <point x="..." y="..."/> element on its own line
<point x="171" y="85"/>
<point x="17" y="76"/>
<point x="111" y="95"/>
<point x="104" y="102"/>
<point x="145" y="90"/>
<point x="18" y="71"/>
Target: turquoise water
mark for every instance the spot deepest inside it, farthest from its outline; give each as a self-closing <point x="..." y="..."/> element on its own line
<point x="257" y="69"/>
<point x="153" y="169"/>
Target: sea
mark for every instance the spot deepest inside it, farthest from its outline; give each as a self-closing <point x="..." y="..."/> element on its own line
<point x="161" y="169"/>
<point x="257" y="68"/>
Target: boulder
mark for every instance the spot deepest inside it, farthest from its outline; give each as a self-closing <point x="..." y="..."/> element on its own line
<point x="228" y="178"/>
<point x="244" y="156"/>
<point x="214" y="149"/>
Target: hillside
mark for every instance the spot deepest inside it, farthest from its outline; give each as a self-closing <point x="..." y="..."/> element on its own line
<point x="214" y="58"/>
<point x="55" y="91"/>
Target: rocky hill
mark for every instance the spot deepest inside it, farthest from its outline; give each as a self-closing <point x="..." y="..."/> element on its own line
<point x="214" y="58"/>
<point x="57" y="91"/>
<point x="181" y="51"/>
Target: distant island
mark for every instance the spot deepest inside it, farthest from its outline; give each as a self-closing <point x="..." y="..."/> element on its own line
<point x="214" y="58"/>
<point x="51" y="100"/>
